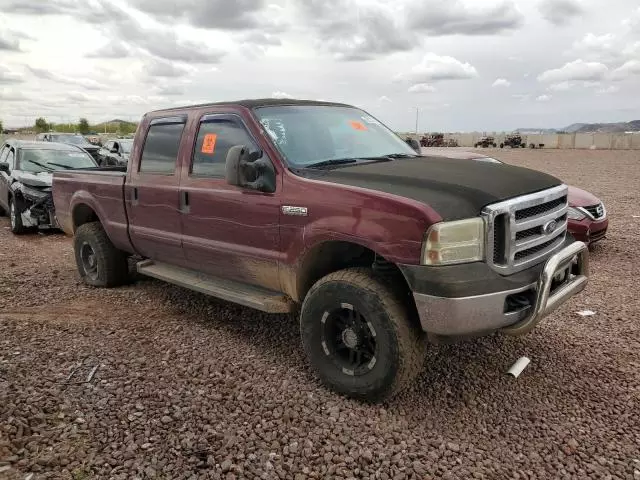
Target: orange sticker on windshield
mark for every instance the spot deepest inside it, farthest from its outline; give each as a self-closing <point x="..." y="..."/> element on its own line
<point x="209" y="143"/>
<point x="357" y="125"/>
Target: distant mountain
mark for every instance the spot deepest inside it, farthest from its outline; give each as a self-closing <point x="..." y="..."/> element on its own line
<point x="574" y="127"/>
<point x="617" y="127"/>
<point x="534" y="131"/>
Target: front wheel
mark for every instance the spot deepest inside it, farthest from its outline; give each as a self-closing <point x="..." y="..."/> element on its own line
<point x="15" y="217"/>
<point x="99" y="262"/>
<point x="359" y="336"/>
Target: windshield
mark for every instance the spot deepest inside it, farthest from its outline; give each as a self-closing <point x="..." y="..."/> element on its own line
<point x="125" y="145"/>
<point x="309" y="134"/>
<point x="74" y="139"/>
<point x="36" y="161"/>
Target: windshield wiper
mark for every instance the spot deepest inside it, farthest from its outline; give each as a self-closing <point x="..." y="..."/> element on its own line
<point x="335" y="161"/>
<point x="399" y="155"/>
<point x="40" y="165"/>
<point x="60" y="165"/>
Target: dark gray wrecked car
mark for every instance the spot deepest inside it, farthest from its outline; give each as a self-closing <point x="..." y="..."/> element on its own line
<point x="25" y="180"/>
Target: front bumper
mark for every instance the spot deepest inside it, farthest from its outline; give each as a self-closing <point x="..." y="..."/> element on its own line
<point x="514" y="311"/>
<point x="587" y="230"/>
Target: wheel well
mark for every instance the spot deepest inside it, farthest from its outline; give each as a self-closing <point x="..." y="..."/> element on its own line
<point x="332" y="256"/>
<point x="83" y="214"/>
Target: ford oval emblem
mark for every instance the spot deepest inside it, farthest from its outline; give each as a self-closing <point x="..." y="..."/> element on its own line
<point x="549" y="227"/>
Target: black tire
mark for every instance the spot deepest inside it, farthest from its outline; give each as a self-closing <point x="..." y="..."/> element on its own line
<point x="385" y="321"/>
<point x="17" y="228"/>
<point x="502" y="145"/>
<point x="99" y="263"/>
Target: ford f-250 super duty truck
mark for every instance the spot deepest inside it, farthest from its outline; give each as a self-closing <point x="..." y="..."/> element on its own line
<point x="317" y="208"/>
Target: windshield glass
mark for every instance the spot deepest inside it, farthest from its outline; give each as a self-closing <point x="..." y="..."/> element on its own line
<point x="74" y="139"/>
<point x="36" y="161"/>
<point x="125" y="145"/>
<point x="312" y="133"/>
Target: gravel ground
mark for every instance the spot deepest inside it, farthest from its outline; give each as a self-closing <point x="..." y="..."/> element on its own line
<point x="189" y="387"/>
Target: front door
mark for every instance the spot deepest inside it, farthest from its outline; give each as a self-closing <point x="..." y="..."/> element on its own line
<point x="151" y="192"/>
<point x="229" y="232"/>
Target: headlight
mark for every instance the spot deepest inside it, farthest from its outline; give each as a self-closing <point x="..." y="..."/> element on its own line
<point x="575" y="214"/>
<point x="460" y="241"/>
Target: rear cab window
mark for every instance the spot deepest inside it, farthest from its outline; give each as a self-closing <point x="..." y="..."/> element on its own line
<point x="161" y="146"/>
<point x="217" y="133"/>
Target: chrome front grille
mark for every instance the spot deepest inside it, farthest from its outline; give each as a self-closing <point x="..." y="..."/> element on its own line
<point x="595" y="212"/>
<point x="525" y="230"/>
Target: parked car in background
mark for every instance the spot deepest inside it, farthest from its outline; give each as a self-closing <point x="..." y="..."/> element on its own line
<point x="318" y="208"/>
<point x="587" y="215"/>
<point x="115" y="152"/>
<point x="25" y="180"/>
<point x="72" y="138"/>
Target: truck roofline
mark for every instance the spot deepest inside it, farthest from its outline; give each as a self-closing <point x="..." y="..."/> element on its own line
<point x="254" y="103"/>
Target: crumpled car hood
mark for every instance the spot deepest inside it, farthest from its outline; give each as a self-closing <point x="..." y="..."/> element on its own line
<point x="43" y="179"/>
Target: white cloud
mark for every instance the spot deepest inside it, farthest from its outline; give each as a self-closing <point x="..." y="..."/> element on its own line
<point x="421" y="88"/>
<point x="560" y="12"/>
<point x="384" y="99"/>
<point x="88" y="83"/>
<point x="561" y="87"/>
<point x="279" y="94"/>
<point x="464" y="17"/>
<point x="501" y="82"/>
<point x="543" y="98"/>
<point x="8" y="75"/>
<point x="435" y="68"/>
<point x="576" y="70"/>
<point x="628" y="69"/>
<point x="609" y="89"/>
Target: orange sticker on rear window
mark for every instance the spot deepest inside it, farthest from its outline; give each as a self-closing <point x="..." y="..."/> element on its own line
<point x="209" y="143"/>
<point x="357" y="125"/>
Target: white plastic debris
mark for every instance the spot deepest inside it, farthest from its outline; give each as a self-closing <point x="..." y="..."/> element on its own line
<point x="517" y="368"/>
<point x="586" y="313"/>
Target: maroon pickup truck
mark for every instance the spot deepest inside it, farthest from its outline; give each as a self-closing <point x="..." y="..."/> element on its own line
<point x="318" y="209"/>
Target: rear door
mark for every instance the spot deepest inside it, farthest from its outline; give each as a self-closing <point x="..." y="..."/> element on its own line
<point x="152" y="195"/>
<point x="229" y="232"/>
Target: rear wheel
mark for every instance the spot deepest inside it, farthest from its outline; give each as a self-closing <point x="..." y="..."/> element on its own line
<point x="99" y="262"/>
<point x="16" y="219"/>
<point x="359" y="336"/>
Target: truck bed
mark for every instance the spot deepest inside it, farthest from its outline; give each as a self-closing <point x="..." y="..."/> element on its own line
<point x="95" y="192"/>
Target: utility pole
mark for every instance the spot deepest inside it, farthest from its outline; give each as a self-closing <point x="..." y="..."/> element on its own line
<point x="417" y="110"/>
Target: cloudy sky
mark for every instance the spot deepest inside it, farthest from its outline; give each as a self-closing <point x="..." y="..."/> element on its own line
<point x="464" y="64"/>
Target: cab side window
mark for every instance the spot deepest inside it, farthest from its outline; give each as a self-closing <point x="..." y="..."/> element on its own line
<point x="160" y="151"/>
<point x="215" y="138"/>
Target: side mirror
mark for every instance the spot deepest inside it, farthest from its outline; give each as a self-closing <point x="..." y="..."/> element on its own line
<point x="413" y="143"/>
<point x="4" y="167"/>
<point x="250" y="170"/>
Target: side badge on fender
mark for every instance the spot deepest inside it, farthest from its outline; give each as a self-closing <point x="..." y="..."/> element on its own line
<point x="292" y="210"/>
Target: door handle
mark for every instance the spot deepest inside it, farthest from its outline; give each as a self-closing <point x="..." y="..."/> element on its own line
<point x="184" y="201"/>
<point x="134" y="196"/>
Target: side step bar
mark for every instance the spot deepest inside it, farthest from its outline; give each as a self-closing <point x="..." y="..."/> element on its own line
<point x="236" y="292"/>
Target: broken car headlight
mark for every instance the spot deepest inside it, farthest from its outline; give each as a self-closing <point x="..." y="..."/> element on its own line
<point x="448" y="243"/>
<point x="33" y="192"/>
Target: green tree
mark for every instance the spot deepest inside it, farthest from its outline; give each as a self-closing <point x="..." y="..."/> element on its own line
<point x="83" y="126"/>
<point x="41" y="125"/>
<point x="1" y="127"/>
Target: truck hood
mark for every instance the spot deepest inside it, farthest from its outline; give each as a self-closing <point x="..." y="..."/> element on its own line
<point x="33" y="179"/>
<point x="581" y="198"/>
<point x="454" y="188"/>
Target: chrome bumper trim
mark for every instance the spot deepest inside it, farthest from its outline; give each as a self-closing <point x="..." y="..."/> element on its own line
<point x="485" y="313"/>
